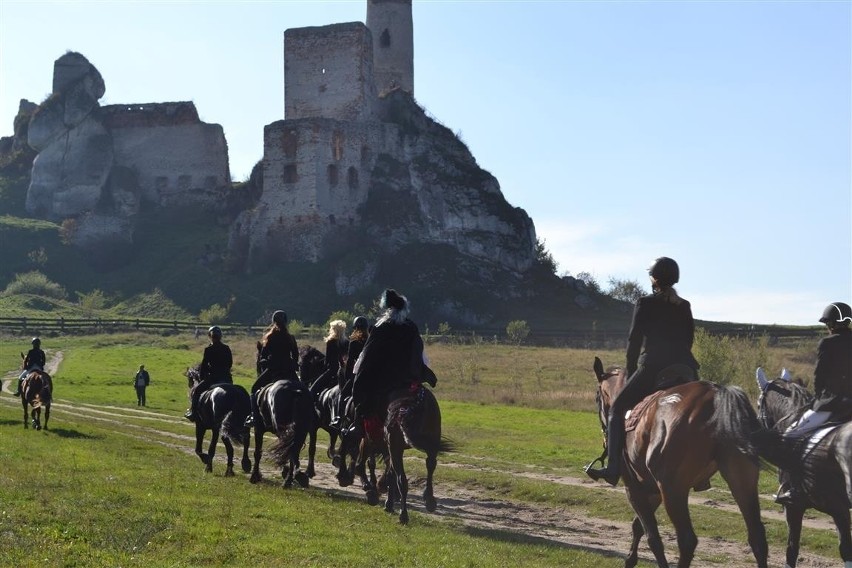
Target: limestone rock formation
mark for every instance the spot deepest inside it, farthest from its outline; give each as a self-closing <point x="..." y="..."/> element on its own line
<point x="97" y="164"/>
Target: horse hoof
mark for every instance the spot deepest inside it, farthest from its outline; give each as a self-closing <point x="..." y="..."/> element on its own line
<point x="344" y="480"/>
<point x="336" y="460"/>
<point x="205" y="459"/>
<point x="431" y="504"/>
<point x="246" y="466"/>
<point x="311" y="473"/>
<point x="403" y="518"/>
<point x="209" y="468"/>
<point x="229" y="472"/>
<point x="302" y="479"/>
<point x="372" y="498"/>
<point x="388" y="506"/>
<point x="255" y="478"/>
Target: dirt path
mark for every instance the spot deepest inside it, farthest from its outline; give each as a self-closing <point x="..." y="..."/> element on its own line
<point x="534" y="523"/>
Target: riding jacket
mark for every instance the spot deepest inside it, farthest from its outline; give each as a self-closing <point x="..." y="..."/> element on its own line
<point x="280" y="355"/>
<point x="35" y="358"/>
<point x="392" y="358"/>
<point x="216" y="364"/>
<point x="833" y="373"/>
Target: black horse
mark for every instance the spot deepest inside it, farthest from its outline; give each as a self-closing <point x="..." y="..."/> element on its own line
<point x="821" y="470"/>
<point x="286" y="409"/>
<point x="222" y="409"/>
<point x="413" y="421"/>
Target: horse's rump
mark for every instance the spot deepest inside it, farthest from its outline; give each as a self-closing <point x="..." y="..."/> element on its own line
<point x="415" y="411"/>
<point x="36" y="388"/>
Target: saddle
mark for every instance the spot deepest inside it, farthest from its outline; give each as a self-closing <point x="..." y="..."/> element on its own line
<point x="671" y="376"/>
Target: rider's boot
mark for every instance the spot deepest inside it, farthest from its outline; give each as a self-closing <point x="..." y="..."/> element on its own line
<point x="252" y="417"/>
<point x="337" y="421"/>
<point x="787" y="494"/>
<point x="18" y="392"/>
<point x="190" y="414"/>
<point x="614" y="447"/>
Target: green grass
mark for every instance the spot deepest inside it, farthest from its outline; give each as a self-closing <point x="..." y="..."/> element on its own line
<point x="503" y="450"/>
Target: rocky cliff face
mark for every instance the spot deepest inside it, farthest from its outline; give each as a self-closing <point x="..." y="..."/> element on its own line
<point x="359" y="194"/>
<point x="98" y="164"/>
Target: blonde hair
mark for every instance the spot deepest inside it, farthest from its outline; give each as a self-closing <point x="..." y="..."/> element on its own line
<point x="668" y="293"/>
<point x="336" y="330"/>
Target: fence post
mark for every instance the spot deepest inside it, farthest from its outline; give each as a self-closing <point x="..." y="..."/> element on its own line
<point x="25" y="324"/>
<point x="62" y="323"/>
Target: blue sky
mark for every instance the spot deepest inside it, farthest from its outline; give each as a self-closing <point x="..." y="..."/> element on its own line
<point x="717" y="133"/>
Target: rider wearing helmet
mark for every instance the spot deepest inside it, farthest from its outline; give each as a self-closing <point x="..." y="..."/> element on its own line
<point x="277" y="358"/>
<point x="215" y="368"/>
<point x="392" y="358"/>
<point x="357" y="339"/>
<point x="35" y="360"/>
<point x="661" y="334"/>
<point x="832" y="384"/>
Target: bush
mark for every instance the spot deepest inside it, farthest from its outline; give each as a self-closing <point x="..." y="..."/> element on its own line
<point x="92" y="302"/>
<point x="716" y="355"/>
<point x="517" y="331"/>
<point x="213" y="315"/>
<point x="37" y="284"/>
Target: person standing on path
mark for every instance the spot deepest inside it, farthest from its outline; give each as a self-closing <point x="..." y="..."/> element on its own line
<point x="140" y="382"/>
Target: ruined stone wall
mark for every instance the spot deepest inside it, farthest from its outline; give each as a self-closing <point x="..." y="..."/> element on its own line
<point x="328" y="72"/>
<point x="175" y="164"/>
<point x="149" y="114"/>
<point x="391" y="25"/>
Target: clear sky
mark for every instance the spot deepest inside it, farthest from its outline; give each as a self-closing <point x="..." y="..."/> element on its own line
<point x="717" y="133"/>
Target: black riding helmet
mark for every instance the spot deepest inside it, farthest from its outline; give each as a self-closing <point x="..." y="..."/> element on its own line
<point x="36" y="342"/>
<point x="215" y="331"/>
<point x="837" y="314"/>
<point x="665" y="271"/>
<point x="360" y="323"/>
<point x="279" y="318"/>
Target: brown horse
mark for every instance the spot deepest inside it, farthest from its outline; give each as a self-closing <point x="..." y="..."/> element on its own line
<point x="684" y="435"/>
<point x="37" y="392"/>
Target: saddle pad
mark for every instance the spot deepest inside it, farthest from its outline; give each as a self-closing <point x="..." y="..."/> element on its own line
<point x="817" y="437"/>
<point x="632" y="416"/>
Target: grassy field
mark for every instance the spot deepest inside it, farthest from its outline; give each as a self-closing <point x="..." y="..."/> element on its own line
<point x="95" y="493"/>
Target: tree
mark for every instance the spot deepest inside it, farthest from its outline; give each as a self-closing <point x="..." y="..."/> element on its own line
<point x="543" y="258"/>
<point x="625" y="290"/>
<point x="517" y="331"/>
<point x="590" y="281"/>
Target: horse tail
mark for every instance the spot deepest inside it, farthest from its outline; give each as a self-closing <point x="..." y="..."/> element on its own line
<point x="292" y="435"/>
<point x="734" y="418"/>
<point x="233" y="425"/>
<point x="280" y="450"/>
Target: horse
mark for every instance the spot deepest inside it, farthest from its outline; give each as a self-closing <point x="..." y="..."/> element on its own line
<point x="37" y="392"/>
<point x="362" y="447"/>
<point x="682" y="437"/>
<point x="413" y="421"/>
<point x="821" y="468"/>
<point x="286" y="409"/>
<point x="311" y="366"/>
<point x="222" y="409"/>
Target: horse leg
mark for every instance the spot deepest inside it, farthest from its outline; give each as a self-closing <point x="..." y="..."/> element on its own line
<point x="645" y="506"/>
<point x="396" y="446"/>
<point x="26" y="416"/>
<point x="229" y="450"/>
<point x="638" y="532"/>
<point x="312" y="450"/>
<point x="742" y="476"/>
<point x="677" y="507"/>
<point x="794" y="515"/>
<point x="246" y="439"/>
<point x="258" y="451"/>
<point x="46" y="416"/>
<point x="842" y="522"/>
<point x="428" y="495"/>
<point x="36" y="414"/>
<point x="211" y="451"/>
<point x="199" y="439"/>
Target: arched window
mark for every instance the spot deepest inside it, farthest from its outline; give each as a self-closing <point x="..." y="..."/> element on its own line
<point x="384" y="39"/>
<point x="352" y="175"/>
<point x="332" y="175"/>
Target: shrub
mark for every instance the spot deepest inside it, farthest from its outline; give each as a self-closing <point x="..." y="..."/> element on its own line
<point x="340" y="315"/>
<point x="91" y="302"/>
<point x="37" y="284"/>
<point x="213" y="315"/>
<point x="517" y="331"/>
<point x="716" y="355"/>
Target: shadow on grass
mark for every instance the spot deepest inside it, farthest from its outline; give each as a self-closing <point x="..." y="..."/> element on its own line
<point x="7" y="422"/>
<point x="519" y="538"/>
<point x="65" y="433"/>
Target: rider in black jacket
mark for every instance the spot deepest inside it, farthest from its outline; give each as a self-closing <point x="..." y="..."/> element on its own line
<point x="661" y="334"/>
<point x="35" y="359"/>
<point x="278" y="359"/>
<point x="215" y="368"/>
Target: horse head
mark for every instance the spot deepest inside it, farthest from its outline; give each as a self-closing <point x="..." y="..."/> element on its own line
<point x="610" y="383"/>
<point x="193" y="376"/>
<point x="311" y="363"/>
<point x="781" y="400"/>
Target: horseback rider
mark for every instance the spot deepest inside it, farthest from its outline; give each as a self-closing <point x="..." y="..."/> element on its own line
<point x="34" y="361"/>
<point x="215" y="368"/>
<point x="336" y="346"/>
<point x="360" y="326"/>
<point x="392" y="358"/>
<point x="832" y="384"/>
<point x="663" y="330"/>
<point x="278" y="358"/>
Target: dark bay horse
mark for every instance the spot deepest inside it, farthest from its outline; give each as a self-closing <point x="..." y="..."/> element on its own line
<point x="222" y="409"/>
<point x="413" y="421"/>
<point x="311" y="366"/>
<point x="684" y="435"/>
<point x="286" y="409"/>
<point x="37" y="392"/>
<point x="823" y="473"/>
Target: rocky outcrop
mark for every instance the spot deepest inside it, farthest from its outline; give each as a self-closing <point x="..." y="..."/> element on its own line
<point x="97" y="164"/>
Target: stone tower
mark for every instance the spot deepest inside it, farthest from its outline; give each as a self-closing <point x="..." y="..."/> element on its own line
<point x="391" y="25"/>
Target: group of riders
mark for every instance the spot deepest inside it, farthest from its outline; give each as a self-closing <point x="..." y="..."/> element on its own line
<point x="367" y="366"/>
<point x="661" y="336"/>
<point x="374" y="361"/>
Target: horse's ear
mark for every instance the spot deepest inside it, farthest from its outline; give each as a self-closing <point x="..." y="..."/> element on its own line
<point x="785" y="375"/>
<point x="760" y="375"/>
<point x="598" y="367"/>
